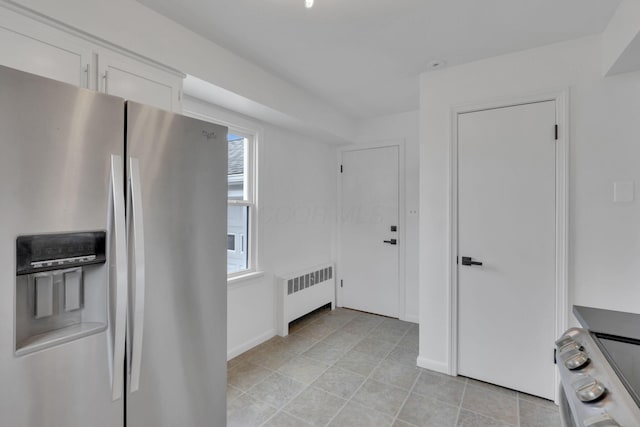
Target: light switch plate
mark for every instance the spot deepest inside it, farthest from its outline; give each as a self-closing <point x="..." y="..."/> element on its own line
<point x="623" y="191"/>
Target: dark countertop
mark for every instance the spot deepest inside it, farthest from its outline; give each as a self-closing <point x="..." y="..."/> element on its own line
<point x="609" y="322"/>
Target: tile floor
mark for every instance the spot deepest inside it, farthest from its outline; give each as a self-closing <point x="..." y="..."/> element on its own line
<point x="347" y="368"/>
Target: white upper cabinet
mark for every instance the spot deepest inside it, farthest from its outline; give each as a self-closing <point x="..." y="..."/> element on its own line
<point x="137" y="81"/>
<point x="34" y="47"/>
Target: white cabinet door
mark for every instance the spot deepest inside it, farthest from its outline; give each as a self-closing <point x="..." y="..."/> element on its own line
<point x="125" y="77"/>
<point x="31" y="46"/>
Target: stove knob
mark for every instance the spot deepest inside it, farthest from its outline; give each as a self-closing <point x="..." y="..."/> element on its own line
<point x="572" y="345"/>
<point x="588" y="389"/>
<point x="564" y="340"/>
<point x="601" y="420"/>
<point x="575" y="359"/>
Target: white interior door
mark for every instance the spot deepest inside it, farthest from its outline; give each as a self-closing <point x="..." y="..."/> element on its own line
<point x="369" y="247"/>
<point x="506" y="221"/>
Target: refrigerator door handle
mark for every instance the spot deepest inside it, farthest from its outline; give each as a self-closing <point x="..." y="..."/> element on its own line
<point x="117" y="220"/>
<point x="136" y="230"/>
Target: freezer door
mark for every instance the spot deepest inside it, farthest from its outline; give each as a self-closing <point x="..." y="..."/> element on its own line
<point x="177" y="173"/>
<point x="56" y="145"/>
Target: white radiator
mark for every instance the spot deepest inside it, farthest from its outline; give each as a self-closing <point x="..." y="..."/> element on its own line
<point x="302" y="292"/>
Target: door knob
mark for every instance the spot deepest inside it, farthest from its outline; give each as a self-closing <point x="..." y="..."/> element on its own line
<point x="466" y="260"/>
<point x="391" y="242"/>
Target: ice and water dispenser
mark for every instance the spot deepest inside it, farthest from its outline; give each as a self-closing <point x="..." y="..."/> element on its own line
<point x="61" y="288"/>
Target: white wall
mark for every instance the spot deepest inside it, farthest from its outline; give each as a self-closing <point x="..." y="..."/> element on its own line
<point x="621" y="40"/>
<point x="404" y="127"/>
<point x="604" y="238"/>
<point x="130" y="25"/>
<point x="297" y="181"/>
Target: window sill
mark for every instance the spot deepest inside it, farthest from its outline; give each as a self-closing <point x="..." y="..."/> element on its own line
<point x="233" y="280"/>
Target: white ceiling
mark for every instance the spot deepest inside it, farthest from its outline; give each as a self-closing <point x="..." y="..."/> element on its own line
<point x="364" y="56"/>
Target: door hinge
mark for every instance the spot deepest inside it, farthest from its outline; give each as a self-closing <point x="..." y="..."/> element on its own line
<point x="340" y="282"/>
<point x="555" y="362"/>
<point x="556" y="129"/>
<point x="341" y="169"/>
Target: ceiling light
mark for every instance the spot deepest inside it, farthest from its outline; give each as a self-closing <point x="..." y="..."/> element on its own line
<point x="308" y="4"/>
<point x="438" y="63"/>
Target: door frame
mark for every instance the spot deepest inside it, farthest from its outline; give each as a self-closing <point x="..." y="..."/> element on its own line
<point x="561" y="99"/>
<point x="400" y="144"/>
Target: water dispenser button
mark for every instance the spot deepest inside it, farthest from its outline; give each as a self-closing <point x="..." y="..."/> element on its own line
<point x="43" y="296"/>
<point x="73" y="290"/>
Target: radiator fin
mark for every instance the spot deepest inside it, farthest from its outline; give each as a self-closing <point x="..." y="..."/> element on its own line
<point x="300" y="283"/>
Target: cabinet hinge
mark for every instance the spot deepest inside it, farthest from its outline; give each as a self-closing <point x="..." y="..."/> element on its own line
<point x="556" y="130"/>
<point x="341" y="169"/>
<point x="340" y="282"/>
<point x="555" y="362"/>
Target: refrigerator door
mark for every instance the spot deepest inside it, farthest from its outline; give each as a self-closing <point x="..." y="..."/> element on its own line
<point x="177" y="173"/>
<point x="56" y="144"/>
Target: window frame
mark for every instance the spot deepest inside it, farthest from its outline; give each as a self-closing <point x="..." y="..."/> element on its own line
<point x="249" y="199"/>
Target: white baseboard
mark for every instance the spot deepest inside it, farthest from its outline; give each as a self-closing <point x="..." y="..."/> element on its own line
<point x="248" y="345"/>
<point x="433" y="365"/>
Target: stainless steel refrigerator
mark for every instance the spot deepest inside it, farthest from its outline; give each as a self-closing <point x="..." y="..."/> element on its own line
<point x="113" y="255"/>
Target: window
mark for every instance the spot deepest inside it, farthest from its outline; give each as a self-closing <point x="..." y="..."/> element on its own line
<point x="241" y="204"/>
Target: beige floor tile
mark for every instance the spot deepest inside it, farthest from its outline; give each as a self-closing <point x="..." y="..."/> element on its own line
<point x="325" y="353"/>
<point x="315" y="331"/>
<point x="440" y="386"/>
<point x="358" y="327"/>
<point x="374" y="347"/>
<point x="276" y="390"/>
<point x="282" y="419"/>
<point x="315" y="406"/>
<point x="336" y="351"/>
<point x="333" y="322"/>
<point x="549" y="404"/>
<point x="491" y="387"/>
<point x="396" y="374"/>
<point x="271" y="357"/>
<point x="355" y="415"/>
<point x="381" y="397"/>
<point x="245" y="375"/>
<point x="360" y="363"/>
<point x="404" y="355"/>
<point x="396" y="325"/>
<point x="471" y="419"/>
<point x="339" y="382"/>
<point x="342" y="339"/>
<point x="491" y="403"/>
<point x="246" y="411"/>
<point x="410" y="340"/>
<point x="532" y="415"/>
<point x="296" y="343"/>
<point x="389" y="335"/>
<point x="423" y="411"/>
<point x="303" y="369"/>
<point x="232" y="392"/>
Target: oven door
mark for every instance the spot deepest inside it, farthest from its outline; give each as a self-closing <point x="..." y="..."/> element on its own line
<point x="566" y="418"/>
